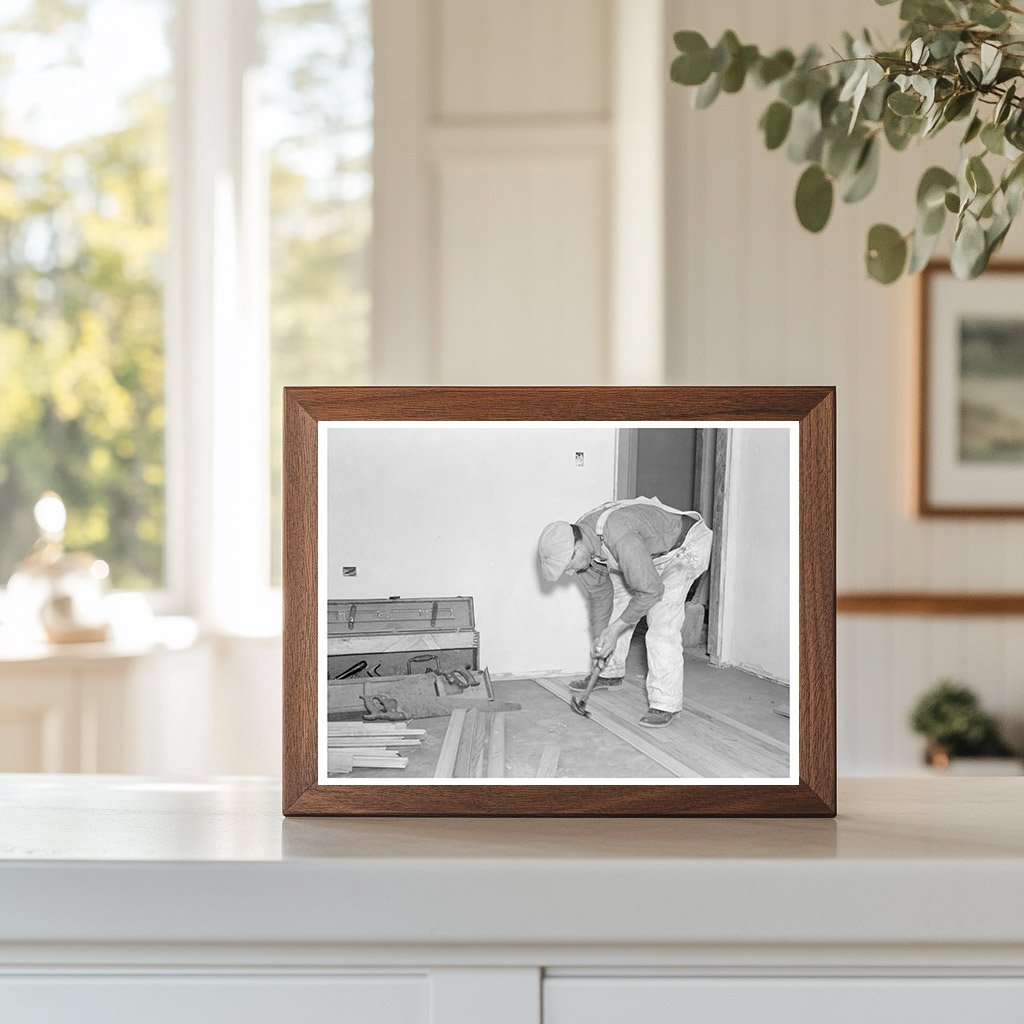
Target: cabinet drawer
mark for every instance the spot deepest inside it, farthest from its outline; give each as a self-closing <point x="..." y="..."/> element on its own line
<point x="674" y="1000"/>
<point x="202" y="999"/>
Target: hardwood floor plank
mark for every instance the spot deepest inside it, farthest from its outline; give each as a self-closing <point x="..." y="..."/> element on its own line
<point x="665" y="760"/>
<point x="548" y="767"/>
<point x="450" y="747"/>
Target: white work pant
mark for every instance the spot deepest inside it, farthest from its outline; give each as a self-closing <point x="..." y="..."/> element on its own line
<point x="677" y="569"/>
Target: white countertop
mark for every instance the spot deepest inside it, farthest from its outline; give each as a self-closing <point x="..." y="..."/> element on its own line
<point x="126" y="859"/>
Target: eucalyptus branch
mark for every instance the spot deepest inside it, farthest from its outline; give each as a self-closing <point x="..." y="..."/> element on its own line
<point x="833" y="117"/>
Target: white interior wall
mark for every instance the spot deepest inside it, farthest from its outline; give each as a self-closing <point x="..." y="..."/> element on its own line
<point x="754" y="299"/>
<point x="436" y="512"/>
<point x="755" y="584"/>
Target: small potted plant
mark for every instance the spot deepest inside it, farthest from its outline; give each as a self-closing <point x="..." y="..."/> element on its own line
<point x="950" y="717"/>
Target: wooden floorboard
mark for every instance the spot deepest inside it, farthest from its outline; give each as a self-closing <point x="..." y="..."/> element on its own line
<point x="755" y="734"/>
<point x="496" y="747"/>
<point x="450" y="747"/>
<point x="703" y="742"/>
<point x="709" y="742"/>
<point x="676" y="738"/>
<point x="659" y="755"/>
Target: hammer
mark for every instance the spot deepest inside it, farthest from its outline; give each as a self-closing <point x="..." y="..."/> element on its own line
<point x="579" y="704"/>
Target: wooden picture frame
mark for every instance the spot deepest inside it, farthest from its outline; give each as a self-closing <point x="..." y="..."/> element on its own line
<point x="948" y="484"/>
<point x="809" y="415"/>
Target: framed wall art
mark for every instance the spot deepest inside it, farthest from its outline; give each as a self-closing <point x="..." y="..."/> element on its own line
<point x="970" y="445"/>
<point x="559" y="601"/>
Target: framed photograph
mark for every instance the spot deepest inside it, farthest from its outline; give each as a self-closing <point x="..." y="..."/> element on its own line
<point x="559" y="601"/>
<point x="970" y="450"/>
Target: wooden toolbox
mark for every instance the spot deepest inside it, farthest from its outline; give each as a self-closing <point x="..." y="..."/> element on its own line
<point x="397" y="636"/>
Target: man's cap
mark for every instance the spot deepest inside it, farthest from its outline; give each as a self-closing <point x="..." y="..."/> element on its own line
<point x="555" y="549"/>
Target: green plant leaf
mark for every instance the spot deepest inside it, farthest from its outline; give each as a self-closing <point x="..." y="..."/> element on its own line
<point x="904" y="103"/>
<point x="900" y="130"/>
<point x="931" y="191"/>
<point x="973" y="129"/>
<point x="771" y="69"/>
<point x="865" y="173"/>
<point x="725" y="49"/>
<point x="707" y="93"/>
<point x="993" y="138"/>
<point x="958" y="105"/>
<point x="693" y="65"/>
<point x="968" y="255"/>
<point x="839" y="151"/>
<point x="952" y="202"/>
<point x="814" y="194"/>
<point x="987" y="15"/>
<point x="794" y="89"/>
<point x="978" y="176"/>
<point x="991" y="60"/>
<point x="805" y="133"/>
<point x="1005" y="105"/>
<point x="735" y="74"/>
<point x="922" y="247"/>
<point x="886" y="254"/>
<point x="775" y="124"/>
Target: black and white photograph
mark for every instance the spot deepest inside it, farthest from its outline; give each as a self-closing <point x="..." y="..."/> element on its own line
<point x="580" y="602"/>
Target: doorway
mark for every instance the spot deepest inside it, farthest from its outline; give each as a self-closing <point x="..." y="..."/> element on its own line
<point x="677" y="466"/>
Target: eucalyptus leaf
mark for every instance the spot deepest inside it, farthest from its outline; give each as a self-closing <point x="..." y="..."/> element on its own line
<point x="707" y="93"/>
<point x="958" y="105"/>
<point x="978" y="176"/>
<point x="932" y="221"/>
<point x="840" y="152"/>
<point x="775" y="124"/>
<point x="724" y="51"/>
<point x="865" y="173"/>
<point x="735" y="74"/>
<point x="814" y="195"/>
<point x="968" y="247"/>
<point x="903" y="103"/>
<point x="771" y="69"/>
<point x="991" y="60"/>
<point x="794" y="88"/>
<point x="993" y="138"/>
<point x="987" y="15"/>
<point x="973" y="130"/>
<point x="886" y="253"/>
<point x="922" y="248"/>
<point x="931" y="190"/>
<point x="1005" y="105"/>
<point x="805" y="133"/>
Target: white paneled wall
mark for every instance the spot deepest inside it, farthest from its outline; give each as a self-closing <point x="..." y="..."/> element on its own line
<point x="754" y="299"/>
<point x="493" y="226"/>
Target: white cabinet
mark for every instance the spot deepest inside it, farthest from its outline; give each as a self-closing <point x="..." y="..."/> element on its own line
<point x="824" y="1000"/>
<point x="126" y="899"/>
<point x="205" y="999"/>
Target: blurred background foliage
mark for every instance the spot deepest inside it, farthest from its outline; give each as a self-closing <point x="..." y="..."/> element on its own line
<point x="83" y="232"/>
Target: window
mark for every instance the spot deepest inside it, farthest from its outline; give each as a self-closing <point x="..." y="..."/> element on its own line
<point x="185" y="221"/>
<point x="83" y="238"/>
<point x="317" y="117"/>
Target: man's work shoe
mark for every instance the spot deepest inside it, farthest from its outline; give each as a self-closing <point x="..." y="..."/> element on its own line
<point x="601" y="684"/>
<point x="655" y="719"/>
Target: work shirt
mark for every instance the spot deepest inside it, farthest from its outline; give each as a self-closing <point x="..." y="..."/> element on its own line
<point x="633" y="535"/>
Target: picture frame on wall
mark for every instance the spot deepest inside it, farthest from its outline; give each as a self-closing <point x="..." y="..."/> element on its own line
<point x="970" y="377"/>
<point x="559" y="601"/>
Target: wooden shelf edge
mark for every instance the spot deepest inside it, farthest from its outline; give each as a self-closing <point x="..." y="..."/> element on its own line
<point x="929" y="603"/>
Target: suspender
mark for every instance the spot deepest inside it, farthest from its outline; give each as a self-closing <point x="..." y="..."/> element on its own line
<point x="613" y="506"/>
